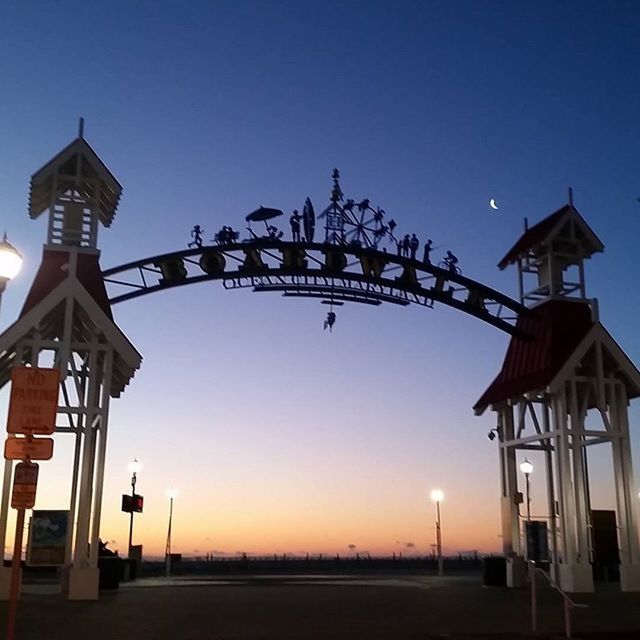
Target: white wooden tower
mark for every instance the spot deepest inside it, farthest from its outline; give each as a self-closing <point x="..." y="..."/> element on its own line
<point x="66" y="322"/>
<point x="563" y="389"/>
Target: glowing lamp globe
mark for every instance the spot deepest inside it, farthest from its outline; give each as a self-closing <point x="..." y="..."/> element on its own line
<point x="526" y="467"/>
<point x="10" y="260"/>
<point x="437" y="495"/>
<point x="135" y="466"/>
<point x="172" y="493"/>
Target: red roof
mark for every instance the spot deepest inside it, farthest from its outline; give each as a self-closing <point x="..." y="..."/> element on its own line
<point x="539" y="233"/>
<point x="555" y="330"/>
<point x="531" y="237"/>
<point x="54" y="269"/>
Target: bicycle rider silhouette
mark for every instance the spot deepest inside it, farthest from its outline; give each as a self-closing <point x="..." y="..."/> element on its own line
<point x="451" y="261"/>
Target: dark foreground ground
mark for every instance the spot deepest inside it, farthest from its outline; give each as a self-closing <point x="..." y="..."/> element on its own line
<point x="316" y="607"/>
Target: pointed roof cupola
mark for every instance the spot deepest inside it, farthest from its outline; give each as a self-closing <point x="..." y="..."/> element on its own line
<point x="550" y="257"/>
<point x="79" y="192"/>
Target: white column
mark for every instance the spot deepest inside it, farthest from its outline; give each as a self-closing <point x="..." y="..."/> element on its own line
<point x="105" y="395"/>
<point x="508" y="506"/>
<point x="580" y="496"/>
<point x="83" y="576"/>
<point x="511" y="543"/>
<point x="563" y="478"/>
<point x="623" y="476"/>
<point x="573" y="575"/>
<point x="551" y="496"/>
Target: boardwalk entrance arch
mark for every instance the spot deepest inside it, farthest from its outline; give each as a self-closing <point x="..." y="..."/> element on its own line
<point x="561" y="363"/>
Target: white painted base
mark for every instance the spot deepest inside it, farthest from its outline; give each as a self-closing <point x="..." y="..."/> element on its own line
<point x="5" y="582"/>
<point x="516" y="572"/>
<point x="576" y="578"/>
<point x="510" y="535"/>
<point x="629" y="577"/>
<point x="82" y="583"/>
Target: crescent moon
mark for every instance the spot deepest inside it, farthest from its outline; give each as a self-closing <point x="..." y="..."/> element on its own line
<point x="492" y="204"/>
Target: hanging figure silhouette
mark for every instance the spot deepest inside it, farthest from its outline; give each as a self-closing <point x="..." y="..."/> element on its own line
<point x="330" y="321"/>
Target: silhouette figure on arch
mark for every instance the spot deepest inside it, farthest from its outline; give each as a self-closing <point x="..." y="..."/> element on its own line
<point x="349" y="204"/>
<point x="294" y="221"/>
<point x="406" y="245"/>
<point x="450" y="261"/>
<point x="274" y="233"/>
<point x="226" y="235"/>
<point x="196" y="234"/>
<point x="414" y="243"/>
<point x="428" y="245"/>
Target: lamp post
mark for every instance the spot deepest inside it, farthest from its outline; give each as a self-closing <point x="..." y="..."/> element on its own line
<point x="135" y="466"/>
<point x="526" y="467"/>
<point x="437" y="496"/>
<point x="10" y="263"/>
<point x="171" y="494"/>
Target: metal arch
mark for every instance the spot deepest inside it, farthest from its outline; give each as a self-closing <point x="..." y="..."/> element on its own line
<point x="315" y="270"/>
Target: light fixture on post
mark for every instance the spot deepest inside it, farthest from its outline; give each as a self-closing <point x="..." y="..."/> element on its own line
<point x="135" y="467"/>
<point x="527" y="468"/>
<point x="437" y="496"/>
<point x="10" y="263"/>
<point x="171" y="494"/>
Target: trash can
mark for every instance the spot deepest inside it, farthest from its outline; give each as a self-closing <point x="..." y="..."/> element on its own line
<point x="494" y="571"/>
<point x="129" y="570"/>
<point x="110" y="572"/>
<point x="133" y="569"/>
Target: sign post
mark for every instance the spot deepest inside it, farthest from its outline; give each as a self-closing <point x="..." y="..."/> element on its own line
<point x="25" y="481"/>
<point x="33" y="406"/>
<point x="14" y="589"/>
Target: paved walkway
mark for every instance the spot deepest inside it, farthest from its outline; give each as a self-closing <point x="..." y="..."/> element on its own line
<point x="316" y="607"/>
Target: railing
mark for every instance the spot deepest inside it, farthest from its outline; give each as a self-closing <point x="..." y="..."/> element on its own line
<point x="568" y="602"/>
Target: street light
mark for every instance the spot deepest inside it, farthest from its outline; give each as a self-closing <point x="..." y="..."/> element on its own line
<point x="437" y="496"/>
<point x="171" y="494"/>
<point x="135" y="467"/>
<point x="526" y="467"/>
<point x="10" y="263"/>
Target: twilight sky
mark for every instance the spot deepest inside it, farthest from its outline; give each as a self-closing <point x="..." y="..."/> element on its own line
<point x="282" y="437"/>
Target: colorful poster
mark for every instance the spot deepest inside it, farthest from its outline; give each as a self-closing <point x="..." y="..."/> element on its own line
<point x="48" y="538"/>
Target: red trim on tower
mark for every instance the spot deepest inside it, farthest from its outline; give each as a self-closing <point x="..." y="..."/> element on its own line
<point x="54" y="268"/>
<point x="540" y="233"/>
<point x="555" y="330"/>
<point x="533" y="237"/>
